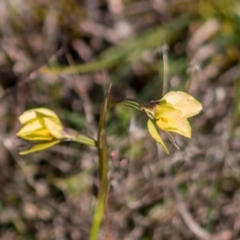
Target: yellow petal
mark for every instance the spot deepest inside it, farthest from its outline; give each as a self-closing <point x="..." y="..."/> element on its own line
<point x="154" y="133"/>
<point x="173" y="122"/>
<point x="40" y="147"/>
<point x="31" y="126"/>
<point x="38" y="135"/>
<point x="54" y="128"/>
<point x="183" y="102"/>
<point x="27" y="116"/>
<point x="46" y="112"/>
<point x="35" y="113"/>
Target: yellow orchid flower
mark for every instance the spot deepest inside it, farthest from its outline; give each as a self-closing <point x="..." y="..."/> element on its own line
<point x="170" y="114"/>
<point x="42" y="127"/>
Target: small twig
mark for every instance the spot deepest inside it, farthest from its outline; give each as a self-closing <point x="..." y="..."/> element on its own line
<point x="83" y="96"/>
<point x="31" y="76"/>
<point x="193" y="69"/>
<point x="171" y="138"/>
<point x="8" y="144"/>
<point x="163" y="49"/>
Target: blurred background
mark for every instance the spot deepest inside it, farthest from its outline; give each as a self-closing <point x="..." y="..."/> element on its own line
<point x="63" y="55"/>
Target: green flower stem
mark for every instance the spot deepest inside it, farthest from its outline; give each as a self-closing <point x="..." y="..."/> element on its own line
<point x="131" y="103"/>
<point x="127" y="102"/>
<point x="103" y="170"/>
<point x="85" y="140"/>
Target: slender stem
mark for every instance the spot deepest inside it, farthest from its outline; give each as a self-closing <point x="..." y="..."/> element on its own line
<point x="165" y="69"/>
<point x="103" y="170"/>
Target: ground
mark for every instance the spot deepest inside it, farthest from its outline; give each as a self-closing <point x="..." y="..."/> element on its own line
<point x="63" y="55"/>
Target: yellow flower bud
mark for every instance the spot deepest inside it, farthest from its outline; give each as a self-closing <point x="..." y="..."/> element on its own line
<point x="42" y="127"/>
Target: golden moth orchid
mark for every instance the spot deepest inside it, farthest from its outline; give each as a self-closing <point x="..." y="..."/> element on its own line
<point x="170" y="114"/>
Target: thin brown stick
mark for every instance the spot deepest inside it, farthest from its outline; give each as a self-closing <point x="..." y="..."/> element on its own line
<point x="163" y="49"/>
<point x="171" y="138"/>
<point x="192" y="70"/>
<point x="84" y="98"/>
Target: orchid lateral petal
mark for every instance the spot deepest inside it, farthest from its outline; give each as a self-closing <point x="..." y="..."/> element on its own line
<point x="38" y="135"/>
<point x="39" y="147"/>
<point x="154" y="133"/>
<point x="184" y="103"/>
